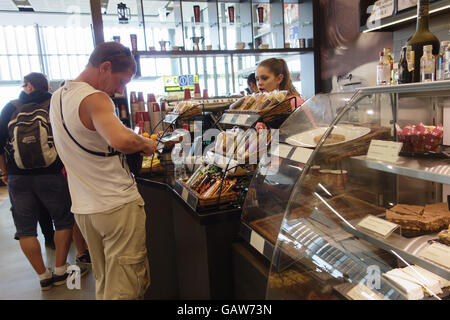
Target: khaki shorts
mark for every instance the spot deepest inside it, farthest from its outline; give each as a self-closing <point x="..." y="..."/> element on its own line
<point x="117" y="244"/>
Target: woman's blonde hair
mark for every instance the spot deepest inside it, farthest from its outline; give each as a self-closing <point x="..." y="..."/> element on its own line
<point x="277" y="67"/>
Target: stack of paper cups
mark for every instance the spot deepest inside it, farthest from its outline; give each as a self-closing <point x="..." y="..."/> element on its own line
<point x="155" y="117"/>
<point x="141" y="101"/>
<point x="134" y="106"/>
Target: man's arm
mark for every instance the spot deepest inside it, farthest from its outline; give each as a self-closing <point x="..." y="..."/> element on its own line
<point x="97" y="113"/>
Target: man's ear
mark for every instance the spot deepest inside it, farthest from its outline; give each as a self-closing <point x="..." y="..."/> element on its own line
<point x="105" y="67"/>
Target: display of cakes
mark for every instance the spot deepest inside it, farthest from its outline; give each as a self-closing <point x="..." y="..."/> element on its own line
<point x="420" y="138"/>
<point x="429" y="218"/>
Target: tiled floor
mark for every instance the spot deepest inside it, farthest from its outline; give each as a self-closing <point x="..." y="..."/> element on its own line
<point x="18" y="280"/>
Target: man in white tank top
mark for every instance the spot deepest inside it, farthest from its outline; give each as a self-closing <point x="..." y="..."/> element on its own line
<point x="105" y="200"/>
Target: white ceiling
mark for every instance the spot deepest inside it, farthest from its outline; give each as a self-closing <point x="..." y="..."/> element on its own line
<point x="83" y="6"/>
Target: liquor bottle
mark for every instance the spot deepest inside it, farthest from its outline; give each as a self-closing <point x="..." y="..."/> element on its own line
<point x="123" y="112"/>
<point x="447" y="64"/>
<point x="383" y="71"/>
<point x="441" y="61"/>
<point x="422" y="37"/>
<point x="427" y="65"/>
<point x="404" y="75"/>
<point x="390" y="59"/>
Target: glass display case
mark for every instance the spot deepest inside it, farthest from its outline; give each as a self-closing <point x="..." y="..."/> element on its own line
<point x="352" y="203"/>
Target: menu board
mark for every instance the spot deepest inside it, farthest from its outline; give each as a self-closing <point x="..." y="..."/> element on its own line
<point x="405" y="4"/>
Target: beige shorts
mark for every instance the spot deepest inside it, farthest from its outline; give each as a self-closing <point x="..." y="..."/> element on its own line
<point x="117" y="244"/>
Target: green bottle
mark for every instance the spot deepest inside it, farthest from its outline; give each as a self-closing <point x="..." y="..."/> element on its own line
<point x="422" y="37"/>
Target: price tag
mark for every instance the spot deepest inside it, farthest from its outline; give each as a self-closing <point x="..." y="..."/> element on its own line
<point x="242" y="119"/>
<point x="184" y="194"/>
<point x="379" y="226"/>
<point x="384" y="150"/>
<point x="257" y="242"/>
<point x="227" y="118"/>
<point x="282" y="150"/>
<point x="302" y="154"/>
<point x="437" y="253"/>
<point x="361" y="292"/>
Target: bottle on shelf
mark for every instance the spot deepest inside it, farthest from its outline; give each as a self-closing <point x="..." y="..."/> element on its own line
<point x="422" y="37"/>
<point x="383" y="71"/>
<point x="123" y="112"/>
<point x="427" y="65"/>
<point x="404" y="74"/>
<point x="447" y="64"/>
<point x="390" y="59"/>
<point x="441" y="61"/>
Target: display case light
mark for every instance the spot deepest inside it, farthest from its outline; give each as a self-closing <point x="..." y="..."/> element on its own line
<point x="123" y="12"/>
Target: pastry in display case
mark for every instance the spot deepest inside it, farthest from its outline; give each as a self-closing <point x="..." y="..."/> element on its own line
<point x="350" y="205"/>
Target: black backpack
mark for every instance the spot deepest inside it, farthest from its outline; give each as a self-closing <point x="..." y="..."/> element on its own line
<point x="30" y="136"/>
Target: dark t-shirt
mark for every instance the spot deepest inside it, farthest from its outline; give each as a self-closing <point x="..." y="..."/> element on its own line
<point x="5" y="117"/>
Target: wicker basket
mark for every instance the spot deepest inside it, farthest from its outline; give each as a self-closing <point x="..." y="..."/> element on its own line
<point x="203" y="202"/>
<point x="335" y="153"/>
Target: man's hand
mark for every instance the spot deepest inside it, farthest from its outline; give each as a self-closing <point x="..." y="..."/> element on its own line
<point x="149" y="147"/>
<point x="5" y="179"/>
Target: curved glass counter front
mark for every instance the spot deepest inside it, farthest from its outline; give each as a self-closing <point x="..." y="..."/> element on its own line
<point x="344" y="210"/>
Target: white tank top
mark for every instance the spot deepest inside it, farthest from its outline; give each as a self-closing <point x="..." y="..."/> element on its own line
<point x="96" y="183"/>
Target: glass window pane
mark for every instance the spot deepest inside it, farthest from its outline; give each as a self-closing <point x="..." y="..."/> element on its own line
<point x="11" y="45"/>
<point x="15" y="68"/>
<point x="2" y="40"/>
<point x="4" y="69"/>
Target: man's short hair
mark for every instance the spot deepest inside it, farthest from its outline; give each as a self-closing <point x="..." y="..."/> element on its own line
<point x="38" y="80"/>
<point x="120" y="57"/>
<point x="251" y="78"/>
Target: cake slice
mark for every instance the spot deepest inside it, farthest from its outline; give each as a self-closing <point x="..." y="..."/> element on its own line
<point x="443" y="283"/>
<point x="424" y="278"/>
<point x="407" y="209"/>
<point x="410" y="222"/>
<point x="444" y="236"/>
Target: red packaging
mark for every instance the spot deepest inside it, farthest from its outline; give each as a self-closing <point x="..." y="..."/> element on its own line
<point x="197" y="13"/>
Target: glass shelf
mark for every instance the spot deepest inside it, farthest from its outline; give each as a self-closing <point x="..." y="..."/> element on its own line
<point x="424" y="169"/>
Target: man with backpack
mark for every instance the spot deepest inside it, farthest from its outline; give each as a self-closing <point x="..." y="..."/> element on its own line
<point x="32" y="170"/>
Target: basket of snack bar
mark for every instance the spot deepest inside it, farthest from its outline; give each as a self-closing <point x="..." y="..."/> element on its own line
<point x="208" y="184"/>
<point x="266" y="104"/>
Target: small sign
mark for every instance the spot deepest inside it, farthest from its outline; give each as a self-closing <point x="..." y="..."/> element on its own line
<point x="257" y="242"/>
<point x="384" y="150"/>
<point x="379" y="226"/>
<point x="302" y="155"/>
<point x="227" y="118"/>
<point x="184" y="194"/>
<point x="381" y="9"/>
<point x="242" y="119"/>
<point x="179" y="83"/>
<point x="437" y="253"/>
<point x="361" y="292"/>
